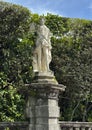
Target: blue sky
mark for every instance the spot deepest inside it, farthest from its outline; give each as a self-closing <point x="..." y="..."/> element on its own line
<point x="67" y="8"/>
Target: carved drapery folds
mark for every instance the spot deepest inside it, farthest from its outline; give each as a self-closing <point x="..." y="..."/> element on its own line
<point x="42" y="51"/>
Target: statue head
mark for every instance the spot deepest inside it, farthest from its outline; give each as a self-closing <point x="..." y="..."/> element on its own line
<point x="42" y="21"/>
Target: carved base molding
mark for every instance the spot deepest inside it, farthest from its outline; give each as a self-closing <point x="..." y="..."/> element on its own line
<point x="46" y="90"/>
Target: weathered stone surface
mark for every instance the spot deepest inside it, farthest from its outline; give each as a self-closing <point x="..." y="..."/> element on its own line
<point x="45" y="77"/>
<point x="44" y="127"/>
<point x="42" y="107"/>
<point x="47" y="111"/>
<point x="76" y="125"/>
<point x="47" y="127"/>
<point x="14" y="125"/>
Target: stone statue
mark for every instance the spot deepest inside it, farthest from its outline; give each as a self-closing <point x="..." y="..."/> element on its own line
<point x="42" y="52"/>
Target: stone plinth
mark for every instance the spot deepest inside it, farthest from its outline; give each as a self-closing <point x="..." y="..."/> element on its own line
<point x="42" y="106"/>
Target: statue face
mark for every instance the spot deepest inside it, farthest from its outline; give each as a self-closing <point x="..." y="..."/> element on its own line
<point x="42" y="21"/>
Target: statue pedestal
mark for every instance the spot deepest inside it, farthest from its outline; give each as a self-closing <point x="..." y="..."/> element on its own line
<point x="42" y="106"/>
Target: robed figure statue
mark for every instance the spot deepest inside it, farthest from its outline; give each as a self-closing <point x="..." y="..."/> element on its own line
<point x="42" y="52"/>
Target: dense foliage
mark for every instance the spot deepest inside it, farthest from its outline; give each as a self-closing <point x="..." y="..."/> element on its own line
<point x="71" y="63"/>
<point x="15" y="59"/>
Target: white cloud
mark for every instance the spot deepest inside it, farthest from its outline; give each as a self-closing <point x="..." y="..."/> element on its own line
<point x="42" y="11"/>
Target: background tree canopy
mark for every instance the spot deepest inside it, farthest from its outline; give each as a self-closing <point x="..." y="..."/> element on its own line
<point x="15" y="59"/>
<point x="71" y="62"/>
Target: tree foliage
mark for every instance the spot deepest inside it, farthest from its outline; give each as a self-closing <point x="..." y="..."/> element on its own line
<point x="15" y="59"/>
<point x="72" y="64"/>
